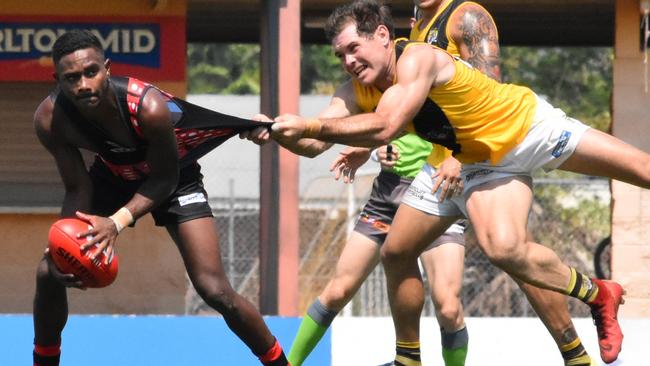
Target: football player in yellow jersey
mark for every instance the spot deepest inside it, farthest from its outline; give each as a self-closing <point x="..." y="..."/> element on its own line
<point x="500" y="132"/>
<point x="465" y="29"/>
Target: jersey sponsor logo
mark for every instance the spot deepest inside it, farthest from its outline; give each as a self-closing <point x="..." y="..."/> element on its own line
<point x="432" y="37"/>
<point x="477" y="173"/>
<point x="375" y="223"/>
<point x="561" y="144"/>
<point x="191" y="198"/>
<point x="416" y="192"/>
<point x="133" y="44"/>
<point x="80" y="270"/>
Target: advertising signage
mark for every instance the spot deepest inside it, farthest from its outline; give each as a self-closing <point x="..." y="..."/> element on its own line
<point x="144" y="49"/>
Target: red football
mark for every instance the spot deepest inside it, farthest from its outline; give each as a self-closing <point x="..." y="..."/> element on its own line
<point x="68" y="258"/>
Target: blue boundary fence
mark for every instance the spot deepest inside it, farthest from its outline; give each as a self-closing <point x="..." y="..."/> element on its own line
<point x="103" y="340"/>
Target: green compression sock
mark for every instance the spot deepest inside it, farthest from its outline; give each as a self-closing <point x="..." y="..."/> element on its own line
<point x="312" y="328"/>
<point x="454" y="347"/>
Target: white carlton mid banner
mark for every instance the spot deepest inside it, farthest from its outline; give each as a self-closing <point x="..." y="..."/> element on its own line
<point x="492" y="342"/>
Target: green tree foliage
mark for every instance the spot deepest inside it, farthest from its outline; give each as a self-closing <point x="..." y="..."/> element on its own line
<point x="223" y="68"/>
<point x="578" y="80"/>
<point x="235" y="69"/>
<point x="321" y="71"/>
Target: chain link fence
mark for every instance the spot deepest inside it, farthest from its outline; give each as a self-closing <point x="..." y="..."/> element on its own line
<point x="569" y="215"/>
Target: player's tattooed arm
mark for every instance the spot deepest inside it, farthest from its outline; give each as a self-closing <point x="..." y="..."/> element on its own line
<point x="476" y="34"/>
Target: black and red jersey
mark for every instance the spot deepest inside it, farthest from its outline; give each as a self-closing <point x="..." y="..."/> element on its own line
<point x="198" y="130"/>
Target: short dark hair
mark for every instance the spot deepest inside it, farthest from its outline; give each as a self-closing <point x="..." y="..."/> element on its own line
<point x="366" y="14"/>
<point x="76" y="39"/>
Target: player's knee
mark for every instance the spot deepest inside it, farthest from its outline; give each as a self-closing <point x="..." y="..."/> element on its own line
<point x="218" y="294"/>
<point x="388" y="254"/>
<point x="505" y="250"/>
<point x="505" y="259"/>
<point x="41" y="269"/>
<point x="449" y="313"/>
<point x="337" y="293"/>
<point x="395" y="255"/>
<point x="43" y="274"/>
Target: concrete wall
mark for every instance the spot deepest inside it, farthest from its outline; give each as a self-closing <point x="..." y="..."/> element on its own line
<point x="631" y="205"/>
<point x="151" y="277"/>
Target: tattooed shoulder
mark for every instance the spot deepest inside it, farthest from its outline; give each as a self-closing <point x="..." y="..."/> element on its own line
<point x="477" y="38"/>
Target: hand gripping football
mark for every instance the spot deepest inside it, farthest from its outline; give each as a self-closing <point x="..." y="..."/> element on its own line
<point x="68" y="258"/>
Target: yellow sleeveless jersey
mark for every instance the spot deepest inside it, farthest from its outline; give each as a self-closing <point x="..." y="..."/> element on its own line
<point x="413" y="149"/>
<point x="432" y="36"/>
<point x="437" y="33"/>
<point x="367" y="98"/>
<point x="489" y="118"/>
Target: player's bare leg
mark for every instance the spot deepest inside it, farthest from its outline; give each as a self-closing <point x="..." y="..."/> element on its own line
<point x="499" y="211"/>
<point x="604" y="155"/>
<point x="359" y="257"/>
<point x="198" y="243"/>
<point x="50" y="316"/>
<point x="552" y="309"/>
<point x="412" y="230"/>
<point x="444" y="268"/>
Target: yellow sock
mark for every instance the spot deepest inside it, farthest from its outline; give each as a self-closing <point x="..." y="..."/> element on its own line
<point x="408" y="354"/>
<point x="581" y="287"/>
<point x="574" y="354"/>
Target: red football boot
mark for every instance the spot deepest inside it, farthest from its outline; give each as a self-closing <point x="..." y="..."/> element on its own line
<point x="604" y="311"/>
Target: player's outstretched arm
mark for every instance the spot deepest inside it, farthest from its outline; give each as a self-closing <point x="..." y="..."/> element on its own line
<point x="418" y="70"/>
<point x="341" y="105"/>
